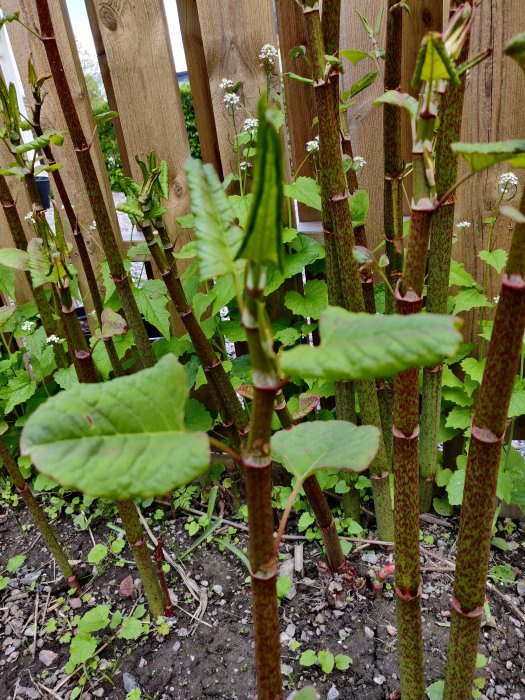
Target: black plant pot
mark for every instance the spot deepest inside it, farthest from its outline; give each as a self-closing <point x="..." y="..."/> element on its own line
<point x="44" y="190"/>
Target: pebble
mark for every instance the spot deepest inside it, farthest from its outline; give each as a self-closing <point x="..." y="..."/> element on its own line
<point x="508" y="665"/>
<point x="515" y="622"/>
<point x="143" y="661"/>
<point x="501" y="690"/>
<point x="290" y="630"/>
<point x="99" y="692"/>
<point x="333" y="693"/>
<point x="369" y="557"/>
<point x="369" y="633"/>
<point x="286" y="670"/>
<point x="217" y="589"/>
<point x="130" y="682"/>
<point x="176" y="647"/>
<point x="182" y="632"/>
<point x="521" y="588"/>
<point x="379" y="680"/>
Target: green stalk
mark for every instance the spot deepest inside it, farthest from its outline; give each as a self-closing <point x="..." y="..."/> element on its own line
<point x="148" y="575"/>
<point x="19" y="237"/>
<point x="96" y="198"/>
<point x="335" y="557"/>
<point x="229" y="406"/>
<point x="439" y="258"/>
<point x="257" y="460"/>
<point x="488" y="428"/>
<point x="39" y="517"/>
<point x="394" y="165"/>
<point x="344" y="287"/>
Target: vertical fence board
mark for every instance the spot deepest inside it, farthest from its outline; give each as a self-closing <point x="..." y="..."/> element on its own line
<point x="299" y="98"/>
<point x="52" y="118"/>
<point x="232" y="34"/>
<point x="200" y="87"/>
<point x="493" y="112"/>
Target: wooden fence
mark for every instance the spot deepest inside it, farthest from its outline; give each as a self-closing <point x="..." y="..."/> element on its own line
<point x="222" y="39"/>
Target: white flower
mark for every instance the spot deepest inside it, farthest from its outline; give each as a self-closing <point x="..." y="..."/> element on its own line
<point x="29" y="217"/>
<point x="496" y="299"/>
<point x="359" y="162"/>
<point x="267" y="56"/>
<point x="251" y="124"/>
<point x="231" y="99"/>
<point x="27" y="326"/>
<point x="507" y="181"/>
<point x="93" y="226"/>
<point x="462" y="225"/>
<point x="244" y="165"/>
<point x="313" y="146"/>
<point x="226" y="84"/>
<point x="53" y="339"/>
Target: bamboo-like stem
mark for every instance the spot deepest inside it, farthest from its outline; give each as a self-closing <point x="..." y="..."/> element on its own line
<point x="439" y="258"/>
<point x="20" y="240"/>
<point x="229" y="406"/>
<point x="335" y="557"/>
<point x="96" y="198"/>
<point x="344" y="287"/>
<point x="137" y="542"/>
<point x="258" y="463"/>
<point x="394" y="166"/>
<point x="39" y="517"/>
<point x="488" y="428"/>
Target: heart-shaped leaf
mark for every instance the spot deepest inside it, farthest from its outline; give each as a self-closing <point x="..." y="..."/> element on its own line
<point x="112" y="324"/>
<point x="121" y="439"/>
<point x="482" y="155"/>
<point x="362" y="346"/>
<point x="14" y="258"/>
<point x="309" y="447"/>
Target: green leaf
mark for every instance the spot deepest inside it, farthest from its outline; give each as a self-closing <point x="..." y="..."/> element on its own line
<point x="342" y="662"/>
<point x="468" y="299"/>
<point x="263" y="240"/>
<point x="218" y="238"/>
<point x="105" y="117"/>
<point x="66" y="377"/>
<point x="82" y="648"/>
<point x="284" y="584"/>
<point x="131" y="628"/>
<point x="500" y="544"/>
<point x="481" y="661"/>
<point x="307" y="693"/>
<point x="455" y="487"/>
<point x="399" y="99"/>
<point x="95" y="619"/>
<point x="308" y="447"/>
<point x="304" y="190"/>
<point x="517" y="403"/>
<point x="436" y="64"/>
<point x="305" y="521"/>
<point x="354" y="56"/>
<point x="474" y="368"/>
<point x="15" y="563"/>
<point x="459" y="276"/>
<point x="359" y="205"/>
<point x="118" y="440"/>
<point x="495" y="258"/>
<point x="502" y="574"/>
<point x="14" y="259"/>
<point x="18" y="390"/>
<point x="442" y="507"/>
<point x="459" y="417"/>
<point x="361" y="346"/>
<point x="299" y="78"/>
<point x="39" y="142"/>
<point x="197" y="418"/>
<point x="308" y="658"/>
<point x="482" y="155"/>
<point x="363" y="83"/>
<point x="326" y="661"/>
<point x="312" y="303"/>
<point x="515" y="48"/>
<point x="152" y="299"/>
<point x="97" y="554"/>
<point x="435" y="691"/>
<point x="112" y="324"/>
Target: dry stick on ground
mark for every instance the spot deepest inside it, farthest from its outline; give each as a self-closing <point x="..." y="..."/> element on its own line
<point x="96" y="199"/>
<point x="344" y="287"/>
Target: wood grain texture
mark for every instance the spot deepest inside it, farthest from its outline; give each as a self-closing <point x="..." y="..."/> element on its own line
<point x="52" y="117"/>
<point x="365" y="121"/>
<point x="299" y="98"/>
<point x="138" y="50"/>
<point x="233" y="33"/>
<point x="493" y="111"/>
<point x="200" y="87"/>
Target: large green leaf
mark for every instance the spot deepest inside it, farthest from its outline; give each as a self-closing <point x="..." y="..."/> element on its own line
<point x="311" y="303"/>
<point x="263" y="240"/>
<point x="218" y="238"/>
<point x="306" y="191"/>
<point x="151" y="299"/>
<point x="482" y="155"/>
<point x="14" y="258"/>
<point x="309" y="447"/>
<point x="362" y="346"/>
<point x="398" y="99"/>
<point x="119" y="440"/>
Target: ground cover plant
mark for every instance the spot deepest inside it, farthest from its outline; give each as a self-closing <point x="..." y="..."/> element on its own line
<point x="309" y="418"/>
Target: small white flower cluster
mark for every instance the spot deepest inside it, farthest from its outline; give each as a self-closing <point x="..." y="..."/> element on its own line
<point x="53" y="339"/>
<point x="226" y="84"/>
<point x="251" y="124"/>
<point x="359" y="162"/>
<point x="507" y="181"/>
<point x="496" y="299"/>
<point x="268" y="56"/>
<point x="93" y="226"/>
<point x="462" y="225"/>
<point x="28" y="326"/>
<point x="244" y="165"/>
<point x="313" y="146"/>
<point x="231" y="99"/>
<point x="29" y="217"/>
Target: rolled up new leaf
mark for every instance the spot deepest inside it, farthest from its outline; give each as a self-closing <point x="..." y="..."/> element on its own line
<point x="119" y="440"/>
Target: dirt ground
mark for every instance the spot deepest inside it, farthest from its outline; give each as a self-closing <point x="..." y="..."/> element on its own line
<point x="213" y="657"/>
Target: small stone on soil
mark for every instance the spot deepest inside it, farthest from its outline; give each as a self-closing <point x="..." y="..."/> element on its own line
<point x="130" y="682"/>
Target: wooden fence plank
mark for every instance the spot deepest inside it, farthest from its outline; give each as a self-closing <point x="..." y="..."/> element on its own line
<point x="233" y="33"/>
<point x="299" y="98"/>
<point x="200" y="87"/>
<point x="52" y="118"/>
